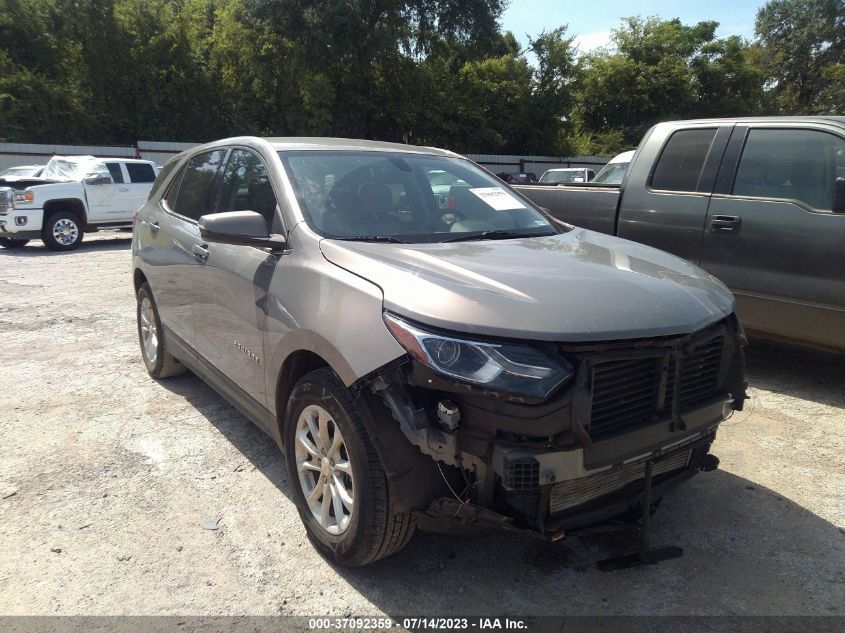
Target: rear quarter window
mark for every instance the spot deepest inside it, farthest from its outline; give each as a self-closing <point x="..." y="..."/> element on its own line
<point x="682" y="160"/>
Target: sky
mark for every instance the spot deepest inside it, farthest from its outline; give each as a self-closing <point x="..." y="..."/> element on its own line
<point x="591" y="21"/>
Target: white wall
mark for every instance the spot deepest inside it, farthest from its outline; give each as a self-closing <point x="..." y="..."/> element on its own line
<point x="12" y="154"/>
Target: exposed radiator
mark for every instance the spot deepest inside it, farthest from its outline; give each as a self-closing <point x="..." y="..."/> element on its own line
<point x="568" y="494"/>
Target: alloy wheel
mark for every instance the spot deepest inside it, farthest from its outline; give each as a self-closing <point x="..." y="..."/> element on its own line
<point x="149" y="332"/>
<point x="325" y="472"/>
<point x="65" y="232"/>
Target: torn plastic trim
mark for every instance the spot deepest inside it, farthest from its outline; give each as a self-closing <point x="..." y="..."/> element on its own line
<point x="389" y="385"/>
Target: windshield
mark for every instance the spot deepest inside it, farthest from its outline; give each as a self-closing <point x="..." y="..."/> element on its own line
<point x="403" y="197"/>
<point x="574" y="175"/>
<point x="612" y="173"/>
<point x="20" y="171"/>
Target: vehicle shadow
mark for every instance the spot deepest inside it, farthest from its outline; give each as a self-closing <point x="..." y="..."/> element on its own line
<point x="747" y="550"/>
<point x="116" y="242"/>
<point x="802" y="373"/>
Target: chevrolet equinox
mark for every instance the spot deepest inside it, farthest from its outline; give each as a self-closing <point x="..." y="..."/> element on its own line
<point x="430" y="355"/>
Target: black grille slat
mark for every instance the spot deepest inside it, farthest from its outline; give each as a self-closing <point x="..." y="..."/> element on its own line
<point x="625" y="392"/>
<point x="647" y="399"/>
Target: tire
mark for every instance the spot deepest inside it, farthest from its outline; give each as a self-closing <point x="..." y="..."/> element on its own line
<point x="62" y="231"/>
<point x="10" y="242"/>
<point x="369" y="530"/>
<point x="158" y="360"/>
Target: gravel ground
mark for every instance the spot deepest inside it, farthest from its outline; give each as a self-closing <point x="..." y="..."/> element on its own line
<point x="107" y="478"/>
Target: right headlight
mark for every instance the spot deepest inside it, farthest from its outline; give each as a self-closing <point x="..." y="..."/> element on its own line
<point x="514" y="369"/>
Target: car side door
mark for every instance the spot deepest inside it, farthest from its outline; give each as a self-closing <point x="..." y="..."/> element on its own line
<point x="231" y="327"/>
<point x="141" y="179"/>
<point x="175" y="252"/>
<point x="664" y="203"/>
<point x="107" y="201"/>
<point x="772" y="235"/>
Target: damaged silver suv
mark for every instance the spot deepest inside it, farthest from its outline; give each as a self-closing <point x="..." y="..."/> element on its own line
<point x="429" y="354"/>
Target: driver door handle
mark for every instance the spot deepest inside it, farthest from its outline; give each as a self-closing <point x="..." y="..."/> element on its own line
<point x="200" y="252"/>
<point x="725" y="224"/>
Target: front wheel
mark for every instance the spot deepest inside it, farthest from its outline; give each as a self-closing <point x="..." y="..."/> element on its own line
<point x="159" y="361"/>
<point x="10" y="242"/>
<point x="338" y="484"/>
<point x="62" y="231"/>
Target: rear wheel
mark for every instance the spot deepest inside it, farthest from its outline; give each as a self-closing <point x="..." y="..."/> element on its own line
<point x="62" y="231"/>
<point x="160" y="363"/>
<point x="338" y="484"/>
<point x="10" y="242"/>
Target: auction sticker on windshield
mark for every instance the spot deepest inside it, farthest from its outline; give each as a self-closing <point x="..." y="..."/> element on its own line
<point x="497" y="198"/>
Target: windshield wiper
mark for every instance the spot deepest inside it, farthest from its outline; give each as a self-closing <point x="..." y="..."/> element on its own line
<point x="387" y="239"/>
<point x="497" y="234"/>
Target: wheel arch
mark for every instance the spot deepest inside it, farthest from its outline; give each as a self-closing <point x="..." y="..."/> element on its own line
<point x="295" y="366"/>
<point x="138" y="279"/>
<point x="72" y="205"/>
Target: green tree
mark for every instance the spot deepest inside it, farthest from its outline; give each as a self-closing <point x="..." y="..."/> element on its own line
<point x="804" y="44"/>
<point x="663" y="69"/>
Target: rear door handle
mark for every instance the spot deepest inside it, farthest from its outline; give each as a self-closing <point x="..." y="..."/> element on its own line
<point x="200" y="252"/>
<point x="725" y="224"/>
<point x="123" y="189"/>
<point x="154" y="228"/>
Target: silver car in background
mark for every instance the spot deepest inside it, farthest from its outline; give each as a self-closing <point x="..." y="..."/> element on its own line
<point x="429" y="364"/>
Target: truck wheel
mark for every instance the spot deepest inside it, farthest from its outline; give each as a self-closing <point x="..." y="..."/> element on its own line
<point x="62" y="231"/>
<point x="338" y="484"/>
<point x="160" y="363"/>
<point x="10" y="242"/>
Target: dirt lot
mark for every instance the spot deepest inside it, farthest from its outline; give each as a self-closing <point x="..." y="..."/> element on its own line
<point x="107" y="478"/>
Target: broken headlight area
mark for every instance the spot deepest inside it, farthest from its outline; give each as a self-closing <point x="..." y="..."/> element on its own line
<point x="575" y="451"/>
<point x="514" y="370"/>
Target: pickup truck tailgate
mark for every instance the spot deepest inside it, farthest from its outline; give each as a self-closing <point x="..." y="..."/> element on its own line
<point x="591" y="208"/>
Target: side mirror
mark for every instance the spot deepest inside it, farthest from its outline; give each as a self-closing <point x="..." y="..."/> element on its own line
<point x="839" y="196"/>
<point x="101" y="178"/>
<point x="244" y="228"/>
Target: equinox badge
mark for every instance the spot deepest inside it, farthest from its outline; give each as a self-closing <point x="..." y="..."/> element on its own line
<point x="246" y="352"/>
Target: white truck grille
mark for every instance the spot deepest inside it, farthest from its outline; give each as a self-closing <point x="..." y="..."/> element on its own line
<point x="6" y="194"/>
<point x="568" y="494"/>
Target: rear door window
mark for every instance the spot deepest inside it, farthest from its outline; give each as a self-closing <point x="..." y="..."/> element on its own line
<point x="682" y="160"/>
<point x="140" y="172"/>
<point x="794" y="164"/>
<point x="197" y="193"/>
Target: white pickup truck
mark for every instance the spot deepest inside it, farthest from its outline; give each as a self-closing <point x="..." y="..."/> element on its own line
<point x="72" y="196"/>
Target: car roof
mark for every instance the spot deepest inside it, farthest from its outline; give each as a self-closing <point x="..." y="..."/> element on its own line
<point x="298" y="143"/>
<point x="840" y="120"/>
<point x="567" y="168"/>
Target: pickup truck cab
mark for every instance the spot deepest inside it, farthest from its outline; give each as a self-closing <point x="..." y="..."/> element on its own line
<point x="72" y="196"/>
<point x="757" y="202"/>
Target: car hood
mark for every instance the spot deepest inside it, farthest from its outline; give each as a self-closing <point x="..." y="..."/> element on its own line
<point x="576" y="286"/>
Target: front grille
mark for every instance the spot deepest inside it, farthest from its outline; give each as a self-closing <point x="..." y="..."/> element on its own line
<point x="5" y="200"/>
<point x="568" y="494"/>
<point x="624" y="395"/>
<point x="627" y="394"/>
<point x="699" y="375"/>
